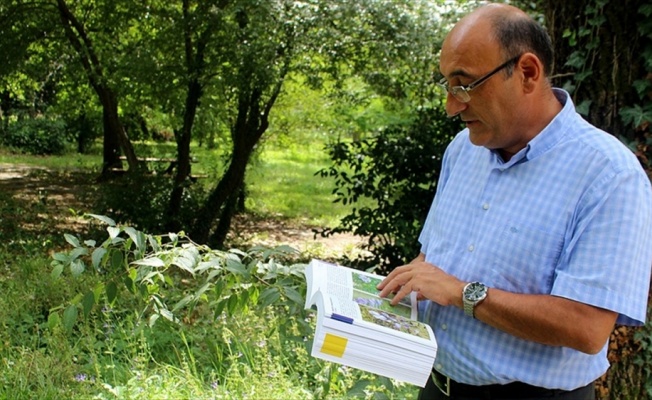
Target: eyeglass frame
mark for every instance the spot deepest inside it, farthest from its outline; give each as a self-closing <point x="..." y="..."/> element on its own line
<point x="460" y="90"/>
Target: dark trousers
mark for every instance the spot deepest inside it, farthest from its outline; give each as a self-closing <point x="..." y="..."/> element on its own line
<point x="432" y="392"/>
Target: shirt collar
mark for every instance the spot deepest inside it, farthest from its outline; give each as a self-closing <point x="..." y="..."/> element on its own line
<point x="547" y="138"/>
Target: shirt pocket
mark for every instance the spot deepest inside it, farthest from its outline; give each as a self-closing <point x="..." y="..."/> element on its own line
<point x="524" y="258"/>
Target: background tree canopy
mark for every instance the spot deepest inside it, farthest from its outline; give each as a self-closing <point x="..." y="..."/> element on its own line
<point x="235" y="75"/>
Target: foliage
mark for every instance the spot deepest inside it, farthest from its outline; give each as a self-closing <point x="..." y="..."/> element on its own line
<point x="40" y="136"/>
<point x="226" y="316"/>
<point x="147" y="266"/>
<point x="398" y="170"/>
<point x="639" y="116"/>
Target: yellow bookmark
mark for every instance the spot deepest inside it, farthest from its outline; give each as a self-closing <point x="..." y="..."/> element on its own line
<point x="334" y="345"/>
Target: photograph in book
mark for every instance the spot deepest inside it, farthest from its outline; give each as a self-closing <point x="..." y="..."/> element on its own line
<point x="366" y="294"/>
<point x="394" y="321"/>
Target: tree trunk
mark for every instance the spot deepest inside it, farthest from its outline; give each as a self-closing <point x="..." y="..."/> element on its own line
<point x="234" y="205"/>
<point x="183" y="138"/>
<point x="113" y="130"/>
<point x="608" y="45"/>
<point x="110" y="148"/>
<point x="227" y="187"/>
<point x="218" y="238"/>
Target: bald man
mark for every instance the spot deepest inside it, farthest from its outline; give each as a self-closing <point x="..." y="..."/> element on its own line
<point x="538" y="240"/>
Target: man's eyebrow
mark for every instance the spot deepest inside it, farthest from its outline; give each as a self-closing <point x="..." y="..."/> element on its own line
<point x="460" y="73"/>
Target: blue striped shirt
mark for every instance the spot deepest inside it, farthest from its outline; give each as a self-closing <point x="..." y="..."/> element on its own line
<point x="569" y="215"/>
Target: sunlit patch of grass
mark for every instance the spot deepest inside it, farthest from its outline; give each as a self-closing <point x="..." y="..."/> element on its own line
<point x="283" y="183"/>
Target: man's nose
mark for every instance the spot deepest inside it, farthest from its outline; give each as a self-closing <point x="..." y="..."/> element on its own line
<point x="454" y="106"/>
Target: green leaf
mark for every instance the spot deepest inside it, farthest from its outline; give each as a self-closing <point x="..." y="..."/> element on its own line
<point x="219" y="308"/>
<point x="77" y="267"/>
<point x="285" y="249"/>
<point x="78" y="252"/>
<point x="129" y="284"/>
<point x="103" y="218"/>
<point x="111" y="292"/>
<point x="72" y="240"/>
<point x="113" y="231"/>
<point x="187" y="260"/>
<point x="358" y="390"/>
<point x="183" y="302"/>
<point x="53" y="320"/>
<point x="294" y="295"/>
<point x="150" y="262"/>
<point x="137" y="237"/>
<point x="62" y="257"/>
<point x="236" y="267"/>
<point x="584" y="107"/>
<point x="152" y="319"/>
<point x="87" y="303"/>
<point x="269" y="296"/>
<point x="56" y="271"/>
<point x="165" y="313"/>
<point x="153" y="243"/>
<point x="69" y="317"/>
<point x="200" y="292"/>
<point x="90" y="243"/>
<point x="232" y="304"/>
<point x="117" y="260"/>
<point x="97" y="256"/>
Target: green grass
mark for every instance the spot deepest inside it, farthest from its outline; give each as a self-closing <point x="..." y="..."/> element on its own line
<point x="283" y="183"/>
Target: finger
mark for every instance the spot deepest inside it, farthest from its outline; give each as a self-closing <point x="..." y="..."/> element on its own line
<point x="390" y="287"/>
<point x="392" y="275"/>
<point x="404" y="291"/>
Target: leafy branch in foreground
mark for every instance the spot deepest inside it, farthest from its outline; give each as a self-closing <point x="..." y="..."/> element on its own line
<point x="168" y="275"/>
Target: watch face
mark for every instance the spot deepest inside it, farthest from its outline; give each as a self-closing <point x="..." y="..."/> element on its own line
<point x="475" y="291"/>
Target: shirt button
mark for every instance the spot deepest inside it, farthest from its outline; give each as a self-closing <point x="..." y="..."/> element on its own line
<point x="439" y="366"/>
<point x="471" y="247"/>
<point x="485" y="206"/>
<point x="444" y="327"/>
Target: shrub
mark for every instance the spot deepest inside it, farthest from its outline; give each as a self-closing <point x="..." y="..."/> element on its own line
<point x="40" y="136"/>
<point x="398" y="170"/>
<point x="142" y="201"/>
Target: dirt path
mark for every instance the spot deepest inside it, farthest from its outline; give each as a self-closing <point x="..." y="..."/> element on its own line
<point x="45" y="201"/>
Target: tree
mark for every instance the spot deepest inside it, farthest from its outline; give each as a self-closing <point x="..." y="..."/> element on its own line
<point x="397" y="166"/>
<point x="265" y="37"/>
<point x="54" y="21"/>
<point x="114" y="132"/>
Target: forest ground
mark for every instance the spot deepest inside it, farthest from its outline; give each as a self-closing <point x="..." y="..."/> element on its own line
<point x="53" y="201"/>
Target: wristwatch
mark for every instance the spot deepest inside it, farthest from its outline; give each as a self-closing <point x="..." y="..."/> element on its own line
<point x="472" y="295"/>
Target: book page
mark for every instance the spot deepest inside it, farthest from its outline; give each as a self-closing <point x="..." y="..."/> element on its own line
<point x="346" y="308"/>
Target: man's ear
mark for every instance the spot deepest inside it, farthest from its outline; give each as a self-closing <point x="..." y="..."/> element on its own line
<point x="532" y="71"/>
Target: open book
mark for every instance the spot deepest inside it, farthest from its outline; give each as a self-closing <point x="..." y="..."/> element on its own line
<point x="357" y="328"/>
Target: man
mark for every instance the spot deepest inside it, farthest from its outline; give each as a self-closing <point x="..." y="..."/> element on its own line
<point x="539" y="237"/>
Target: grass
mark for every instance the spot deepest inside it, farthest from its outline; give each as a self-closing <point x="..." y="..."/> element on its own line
<point x="283" y="182"/>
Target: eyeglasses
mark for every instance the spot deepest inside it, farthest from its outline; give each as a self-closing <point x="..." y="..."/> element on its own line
<point x="461" y="93"/>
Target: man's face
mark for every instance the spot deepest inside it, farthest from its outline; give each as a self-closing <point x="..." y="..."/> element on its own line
<point x="492" y="112"/>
